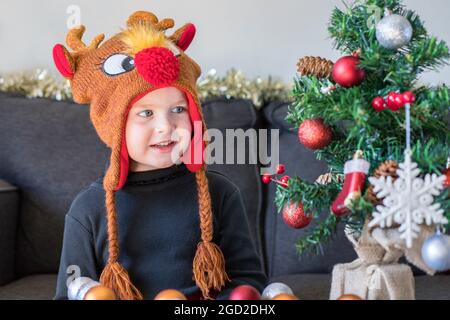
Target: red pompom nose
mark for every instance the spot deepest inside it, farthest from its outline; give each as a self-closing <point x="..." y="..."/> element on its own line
<point x="157" y="65"/>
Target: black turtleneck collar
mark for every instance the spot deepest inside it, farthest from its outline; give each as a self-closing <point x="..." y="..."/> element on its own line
<point x="156" y="176"/>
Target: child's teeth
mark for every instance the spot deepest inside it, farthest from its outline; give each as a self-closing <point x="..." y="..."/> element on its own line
<point x="163" y="144"/>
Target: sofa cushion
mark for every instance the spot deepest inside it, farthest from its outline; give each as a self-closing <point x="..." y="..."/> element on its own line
<point x="317" y="286"/>
<point x="37" y="287"/>
<point x="9" y="214"/>
<point x="281" y="255"/>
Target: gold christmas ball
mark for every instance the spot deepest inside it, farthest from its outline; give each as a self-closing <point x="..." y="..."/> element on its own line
<point x="170" y="294"/>
<point x="350" y="297"/>
<point x="100" y="293"/>
<point x="285" y="296"/>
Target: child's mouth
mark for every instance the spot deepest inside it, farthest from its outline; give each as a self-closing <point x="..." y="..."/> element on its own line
<point x="164" y="146"/>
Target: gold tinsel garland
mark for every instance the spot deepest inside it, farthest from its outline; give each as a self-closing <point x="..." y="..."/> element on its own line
<point x="42" y="84"/>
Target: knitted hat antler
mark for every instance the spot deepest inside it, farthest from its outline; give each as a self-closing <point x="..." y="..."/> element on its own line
<point x="112" y="77"/>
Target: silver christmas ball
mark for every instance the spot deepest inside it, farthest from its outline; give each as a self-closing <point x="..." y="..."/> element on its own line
<point x="79" y="287"/>
<point x="394" y="31"/>
<point x="275" y="289"/>
<point x="436" y="252"/>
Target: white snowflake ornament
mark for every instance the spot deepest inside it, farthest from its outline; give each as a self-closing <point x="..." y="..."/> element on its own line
<point x="408" y="200"/>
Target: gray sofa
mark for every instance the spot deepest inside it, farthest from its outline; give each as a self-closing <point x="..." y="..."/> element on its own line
<point x="49" y="151"/>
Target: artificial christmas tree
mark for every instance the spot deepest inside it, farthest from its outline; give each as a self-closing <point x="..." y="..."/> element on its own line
<point x="372" y="102"/>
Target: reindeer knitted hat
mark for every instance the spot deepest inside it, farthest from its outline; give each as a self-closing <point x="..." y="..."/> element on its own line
<point x="111" y="77"/>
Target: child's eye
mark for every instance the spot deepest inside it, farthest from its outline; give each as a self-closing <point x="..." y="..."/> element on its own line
<point x="145" y="113"/>
<point x="178" y="109"/>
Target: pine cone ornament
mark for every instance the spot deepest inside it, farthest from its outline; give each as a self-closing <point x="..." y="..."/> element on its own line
<point x="315" y="66"/>
<point x="387" y="169"/>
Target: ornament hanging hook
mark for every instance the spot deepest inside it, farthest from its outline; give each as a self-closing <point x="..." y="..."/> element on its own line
<point x="408" y="127"/>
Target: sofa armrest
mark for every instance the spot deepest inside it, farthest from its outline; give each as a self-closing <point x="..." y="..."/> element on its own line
<point x="9" y="212"/>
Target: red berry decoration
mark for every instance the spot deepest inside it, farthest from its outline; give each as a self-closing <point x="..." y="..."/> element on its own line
<point x="280" y="169"/>
<point x="398" y="99"/>
<point x="378" y="104"/>
<point x="346" y="71"/>
<point x="284" y="181"/>
<point x="295" y="217"/>
<point x="266" y="179"/>
<point x="314" y="134"/>
<point x="394" y="101"/>
<point x="245" y="292"/>
<point x="408" y="97"/>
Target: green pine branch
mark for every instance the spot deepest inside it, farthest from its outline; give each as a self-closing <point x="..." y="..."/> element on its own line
<point x="355" y="125"/>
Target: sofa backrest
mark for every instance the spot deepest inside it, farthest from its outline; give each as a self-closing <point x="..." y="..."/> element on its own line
<point x="50" y="151"/>
<point x="224" y="114"/>
<point x="279" y="246"/>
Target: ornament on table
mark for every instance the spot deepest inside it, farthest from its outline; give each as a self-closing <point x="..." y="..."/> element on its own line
<point x="394" y="31"/>
<point x="314" y="134"/>
<point x="409" y="200"/>
<point x="274" y="289"/>
<point x="84" y="288"/>
<point x="244" y="292"/>
<point x="283" y="181"/>
<point x="170" y="294"/>
<point x="294" y="215"/>
<point x="436" y="251"/>
<point x="285" y="296"/>
<point x="346" y="71"/>
<point x="350" y="297"/>
<point x="315" y="66"/>
<point x="355" y="172"/>
<point x="387" y="169"/>
<point x="100" y="293"/>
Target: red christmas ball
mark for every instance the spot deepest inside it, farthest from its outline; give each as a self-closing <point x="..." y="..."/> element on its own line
<point x="378" y="103"/>
<point x="314" y="134"/>
<point x="245" y="292"/>
<point x="284" y="181"/>
<point x="394" y="101"/>
<point x="295" y="217"/>
<point x="266" y="179"/>
<point x="447" y="181"/>
<point x="280" y="169"/>
<point x="408" y="97"/>
<point x="346" y="72"/>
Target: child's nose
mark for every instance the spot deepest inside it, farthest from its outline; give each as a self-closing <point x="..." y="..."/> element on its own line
<point x="163" y="124"/>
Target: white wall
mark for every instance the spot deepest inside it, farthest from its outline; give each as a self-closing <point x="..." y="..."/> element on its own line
<point x="260" y="37"/>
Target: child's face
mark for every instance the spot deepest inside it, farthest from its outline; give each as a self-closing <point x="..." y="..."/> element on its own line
<point x="158" y="129"/>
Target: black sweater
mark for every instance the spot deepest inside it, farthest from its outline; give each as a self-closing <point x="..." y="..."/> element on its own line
<point x="158" y="223"/>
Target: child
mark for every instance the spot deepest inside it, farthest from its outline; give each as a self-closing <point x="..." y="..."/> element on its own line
<point x="156" y="220"/>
